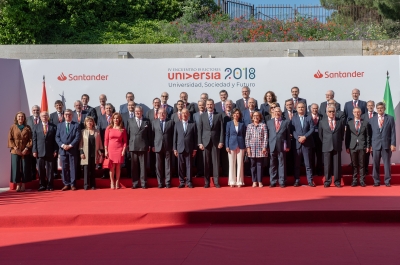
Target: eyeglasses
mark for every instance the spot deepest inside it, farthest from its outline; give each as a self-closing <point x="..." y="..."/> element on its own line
<point x="164" y="96"/>
<point x="65" y="114"/>
<point x="331" y="111"/>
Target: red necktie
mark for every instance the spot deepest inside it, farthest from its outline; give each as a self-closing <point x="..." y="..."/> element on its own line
<point x="84" y="107"/>
<point x="381" y="121"/>
<point x="103" y="110"/>
<point x="331" y="125"/>
<point x="79" y="117"/>
<point x="179" y="116"/>
<point x="156" y="114"/>
<point x="36" y="120"/>
<point x="355" y="103"/>
<point x="277" y="125"/>
<point x="245" y="104"/>
<point x="315" y="119"/>
<point x="370" y="115"/>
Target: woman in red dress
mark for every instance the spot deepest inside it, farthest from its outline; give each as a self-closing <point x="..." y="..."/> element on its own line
<point x="115" y="142"/>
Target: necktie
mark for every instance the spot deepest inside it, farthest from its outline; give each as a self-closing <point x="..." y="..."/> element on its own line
<point x="108" y="119"/>
<point x="162" y="126"/>
<point x="295" y="103"/>
<point x="79" y="117"/>
<point x="370" y="115"/>
<point x="59" y="117"/>
<point x="179" y="116"/>
<point x="245" y="103"/>
<point x="84" y="107"/>
<point x="164" y="106"/>
<point x="331" y="125"/>
<point x="277" y="125"/>
<point x="184" y="127"/>
<point x="290" y="115"/>
<point x="138" y="122"/>
<point x="184" y="105"/>
<point x="357" y="126"/>
<point x="67" y="127"/>
<point x="45" y="129"/>
<point x="223" y="106"/>
<point x="355" y="103"/>
<point x="210" y="118"/>
<point x="103" y="110"/>
<point x="315" y="119"/>
<point x="36" y="120"/>
<point x="131" y="115"/>
<point x="301" y="121"/>
<point x="380" y="122"/>
<point x="155" y="114"/>
<point x="228" y="114"/>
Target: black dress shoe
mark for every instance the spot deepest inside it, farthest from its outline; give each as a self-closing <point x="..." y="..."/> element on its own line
<point x="42" y="189"/>
<point x="168" y="186"/>
<point x="282" y="185"/>
<point x="296" y="184"/>
<point x="272" y="185"/>
<point x="93" y="188"/>
<point x="327" y="185"/>
<point x="354" y="184"/>
<point x="160" y="186"/>
<point x="190" y="185"/>
<point x="376" y="184"/>
<point x="388" y="185"/>
<point x="135" y="187"/>
<point x="144" y="187"/>
<point x="217" y="186"/>
<point x="362" y="184"/>
<point x="206" y="185"/>
<point x="311" y="184"/>
<point x="337" y="185"/>
<point x="181" y="186"/>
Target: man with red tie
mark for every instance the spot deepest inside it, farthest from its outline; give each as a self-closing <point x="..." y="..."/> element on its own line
<point x="153" y="113"/>
<point x="356" y="102"/>
<point x="79" y="114"/>
<point x="295" y="99"/>
<point x="101" y="109"/>
<point x="317" y="150"/>
<point x="331" y="133"/>
<point x="164" y="104"/>
<point x="243" y="103"/>
<point x="289" y="110"/>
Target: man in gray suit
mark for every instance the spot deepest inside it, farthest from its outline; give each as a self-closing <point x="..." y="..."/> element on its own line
<point x="331" y="133"/>
<point x="358" y="143"/>
<point x="199" y="160"/>
<point x="139" y="135"/>
<point x="162" y="140"/>
<point x="101" y="109"/>
<point x="185" y="147"/>
<point x="211" y="140"/>
<point x="383" y="142"/>
<point x="32" y="121"/>
<point x="330" y="94"/>
<point x="243" y="103"/>
<point x="278" y="145"/>
<point x="367" y="116"/>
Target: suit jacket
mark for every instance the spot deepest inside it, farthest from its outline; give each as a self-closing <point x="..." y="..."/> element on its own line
<point x="240" y="104"/>
<point x="150" y="115"/>
<point x="362" y="137"/>
<point x="45" y="145"/>
<point x="139" y="138"/>
<point x="348" y="108"/>
<point x="322" y="107"/>
<point x="185" y="142"/>
<point x="207" y="133"/>
<point x="365" y="116"/>
<point x="98" y="113"/>
<point x="91" y="112"/>
<point x="125" y="118"/>
<point x="340" y="115"/>
<point x="267" y="117"/>
<point x="102" y="126"/>
<point x="385" y="137"/>
<point x="235" y="139"/>
<point x="162" y="141"/>
<point x="246" y="117"/>
<point x="54" y="118"/>
<point x="218" y="107"/>
<point x="331" y="141"/>
<point x="21" y="139"/>
<point x="264" y="108"/>
<point x="277" y="139"/>
<point x="169" y="109"/>
<point x="320" y="117"/>
<point x="306" y="130"/>
<point x="298" y="101"/>
<point x="190" y="106"/>
<point x="285" y="114"/>
<point x="31" y="122"/>
<point x="84" y="114"/>
<point x="72" y="138"/>
<point x="123" y="108"/>
<point x="196" y="118"/>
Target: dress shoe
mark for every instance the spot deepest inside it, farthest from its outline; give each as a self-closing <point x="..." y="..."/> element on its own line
<point x="181" y="186"/>
<point x="296" y="184"/>
<point x="272" y="185"/>
<point x="42" y="188"/>
<point x="168" y="186"/>
<point x="65" y="188"/>
<point x="337" y="185"/>
<point x="362" y="184"/>
<point x="160" y="186"/>
<point x="92" y="188"/>
<point x="50" y="188"/>
<point x="282" y="185"/>
<point x="206" y="186"/>
<point x="311" y="184"/>
<point x="144" y="187"/>
<point x="327" y="185"/>
<point x="217" y="186"/>
<point x="354" y="184"/>
<point x="388" y="185"/>
<point x="73" y="188"/>
<point x="190" y="185"/>
<point x="376" y="184"/>
<point x="135" y="187"/>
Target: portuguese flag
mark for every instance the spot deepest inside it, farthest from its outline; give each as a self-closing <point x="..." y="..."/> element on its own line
<point x="387" y="99"/>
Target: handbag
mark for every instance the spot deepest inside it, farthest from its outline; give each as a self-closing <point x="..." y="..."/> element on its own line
<point x="107" y="163"/>
<point x="246" y="158"/>
<point x="100" y="158"/>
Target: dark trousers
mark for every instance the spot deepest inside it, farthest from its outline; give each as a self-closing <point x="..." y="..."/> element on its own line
<point x="163" y="167"/>
<point x="127" y="164"/>
<point x="386" y="155"/>
<point x="303" y="152"/>
<point x="69" y="166"/>
<point x="366" y="162"/>
<point x="290" y="158"/>
<point x="317" y="155"/>
<point x="46" y="174"/>
<point x="277" y="165"/>
<point x="185" y="167"/>
<point x="211" y="157"/>
<point x="138" y="168"/>
<point x="88" y="173"/>
<point x="357" y="162"/>
<point x="256" y="168"/>
<point x="33" y="165"/>
<point x="199" y="163"/>
<point x="224" y="162"/>
<point x="153" y="161"/>
<point x="332" y="163"/>
<point x="20" y="169"/>
<point x="55" y="166"/>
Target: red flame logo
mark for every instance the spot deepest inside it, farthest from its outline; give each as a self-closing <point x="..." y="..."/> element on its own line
<point x="318" y="75"/>
<point x="62" y="77"/>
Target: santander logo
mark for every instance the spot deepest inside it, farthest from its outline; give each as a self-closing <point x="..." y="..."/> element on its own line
<point x="83" y="77"/>
<point x="62" y="77"/>
<point x="327" y="74"/>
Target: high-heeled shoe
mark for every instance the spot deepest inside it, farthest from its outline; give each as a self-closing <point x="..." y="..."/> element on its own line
<point x="112" y="185"/>
<point x="117" y="184"/>
<point x="22" y="187"/>
<point x="18" y="189"/>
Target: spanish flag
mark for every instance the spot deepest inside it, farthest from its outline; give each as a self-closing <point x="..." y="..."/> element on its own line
<point x="44" y="106"/>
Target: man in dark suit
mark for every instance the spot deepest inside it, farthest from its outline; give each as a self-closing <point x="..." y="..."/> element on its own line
<point x="124" y="107"/>
<point x="164" y="104"/>
<point x="68" y="137"/>
<point x="199" y="160"/>
<point x="139" y="134"/>
<point x="289" y="111"/>
<point x="101" y="109"/>
<point x="302" y="129"/>
<point x="32" y="121"/>
<point x="152" y="115"/>
<point x="126" y="116"/>
<point x="339" y="114"/>
<point x="331" y="133"/>
<point x="56" y="118"/>
<point x="278" y="144"/>
<point x="88" y="109"/>
<point x="295" y="98"/>
<point x="79" y="115"/>
<point x="316" y="158"/>
<point x="177" y="116"/>
<point x="383" y="143"/>
<point x="162" y="146"/>
<point x="358" y="143"/>
<point x="243" y="103"/>
<point x="329" y="95"/>
<point x="220" y="106"/>
<point x="248" y="113"/>
<point x="288" y="114"/>
<point x="367" y="116"/>
<point x="211" y="140"/>
<point x="350" y="105"/>
<point x="183" y="96"/>
<point x="185" y="148"/>
<point x="45" y="149"/>
<point x="103" y="122"/>
<point x="204" y="97"/>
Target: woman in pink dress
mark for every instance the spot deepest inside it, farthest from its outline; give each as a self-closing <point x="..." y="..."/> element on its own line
<point x="115" y="142"/>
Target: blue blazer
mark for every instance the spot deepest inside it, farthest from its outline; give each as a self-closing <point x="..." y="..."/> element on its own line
<point x="73" y="137"/>
<point x="264" y="108"/>
<point x="234" y="139"/>
<point x="123" y="108"/>
<point x="246" y="117"/>
<point x="348" y="109"/>
<point x="385" y="137"/>
<point x="307" y="130"/>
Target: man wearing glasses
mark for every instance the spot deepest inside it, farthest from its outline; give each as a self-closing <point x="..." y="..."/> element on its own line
<point x="32" y="121"/>
<point x="164" y="104"/>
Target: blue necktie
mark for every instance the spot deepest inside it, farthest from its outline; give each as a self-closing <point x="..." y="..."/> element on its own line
<point x="301" y="121"/>
<point x="162" y="125"/>
<point x="184" y="126"/>
<point x="210" y="119"/>
<point x="67" y="127"/>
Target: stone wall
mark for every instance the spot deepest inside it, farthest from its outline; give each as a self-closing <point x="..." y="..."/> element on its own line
<point x="384" y="47"/>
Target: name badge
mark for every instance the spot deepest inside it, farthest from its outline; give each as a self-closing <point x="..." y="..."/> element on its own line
<point x="315" y="130"/>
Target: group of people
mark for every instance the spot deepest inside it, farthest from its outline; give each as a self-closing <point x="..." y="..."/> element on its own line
<point x="211" y="137"/>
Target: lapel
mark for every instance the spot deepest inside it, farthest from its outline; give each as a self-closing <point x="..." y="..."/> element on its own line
<point x="159" y="122"/>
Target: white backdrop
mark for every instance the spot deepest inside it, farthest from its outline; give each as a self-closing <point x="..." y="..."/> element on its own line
<point x="148" y="78"/>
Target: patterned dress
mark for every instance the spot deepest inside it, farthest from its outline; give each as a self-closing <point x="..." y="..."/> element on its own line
<point x="256" y="139"/>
